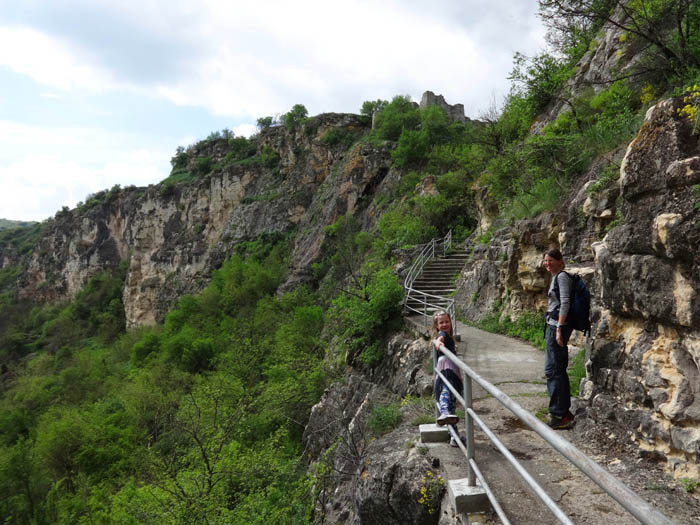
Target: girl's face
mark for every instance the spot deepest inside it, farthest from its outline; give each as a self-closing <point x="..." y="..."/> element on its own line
<point x="444" y="324"/>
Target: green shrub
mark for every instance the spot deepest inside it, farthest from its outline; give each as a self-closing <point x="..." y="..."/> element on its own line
<point x="340" y="136"/>
<point x="148" y="344"/>
<point x="384" y="418"/>
<point x="202" y="166"/>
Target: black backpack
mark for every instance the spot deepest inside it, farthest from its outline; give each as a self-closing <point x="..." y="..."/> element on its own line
<point x="580" y="308"/>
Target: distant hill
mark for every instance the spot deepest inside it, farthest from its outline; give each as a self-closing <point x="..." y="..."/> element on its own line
<point x="6" y="224"/>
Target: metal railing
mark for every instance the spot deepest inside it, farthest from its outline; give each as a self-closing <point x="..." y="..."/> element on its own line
<point x="428" y="303"/>
<point x="639" y="508"/>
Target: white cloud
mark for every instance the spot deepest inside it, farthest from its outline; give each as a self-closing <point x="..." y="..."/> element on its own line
<point x="34" y="189"/>
<point x="50" y="61"/>
<point x="239" y="60"/>
<point x="43" y="169"/>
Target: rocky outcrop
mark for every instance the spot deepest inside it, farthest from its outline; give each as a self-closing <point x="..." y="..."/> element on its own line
<point x="635" y="243"/>
<point x="646" y="349"/>
<point x="366" y="478"/>
<point x="173" y="236"/>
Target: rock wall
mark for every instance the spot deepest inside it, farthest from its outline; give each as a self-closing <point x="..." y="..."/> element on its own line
<point x="174" y="236"/>
<point x="643" y="270"/>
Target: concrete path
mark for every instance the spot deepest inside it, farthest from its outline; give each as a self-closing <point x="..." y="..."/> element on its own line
<point x="518" y="369"/>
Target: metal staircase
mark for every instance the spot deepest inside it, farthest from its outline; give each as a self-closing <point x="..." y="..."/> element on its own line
<point x="431" y="279"/>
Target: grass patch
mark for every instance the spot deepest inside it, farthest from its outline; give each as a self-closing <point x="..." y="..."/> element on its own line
<point x="384" y="419"/>
<point x="577" y="371"/>
<point x="528" y="326"/>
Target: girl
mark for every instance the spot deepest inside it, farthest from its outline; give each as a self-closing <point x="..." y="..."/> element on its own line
<point x="442" y="334"/>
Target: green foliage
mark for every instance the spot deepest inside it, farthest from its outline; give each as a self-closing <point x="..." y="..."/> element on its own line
<point x="340" y="136"/>
<point x="366" y="312"/>
<point x="689" y="484"/>
<point x="107" y="430"/>
<point x="528" y="326"/>
<point x="241" y="148"/>
<point x="295" y="117"/>
<point x="202" y="166"/>
<point x="264" y="122"/>
<point x="22" y="239"/>
<point x="577" y="371"/>
<point x="666" y="30"/>
<point x="268" y="157"/>
<point x="608" y="177"/>
<point x="540" y="78"/>
<point x="399" y="115"/>
<point x="179" y="160"/>
<point x="369" y="107"/>
<point x="384" y="418"/>
<point x="8" y="225"/>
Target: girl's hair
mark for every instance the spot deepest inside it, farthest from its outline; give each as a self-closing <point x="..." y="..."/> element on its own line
<point x="436" y="315"/>
<point x="555" y="254"/>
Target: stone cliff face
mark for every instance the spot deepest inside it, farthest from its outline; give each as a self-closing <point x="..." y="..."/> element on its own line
<point x="173" y="236"/>
<point x="644" y="275"/>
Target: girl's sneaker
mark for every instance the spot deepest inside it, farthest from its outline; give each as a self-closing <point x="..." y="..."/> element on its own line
<point x="447" y="419"/>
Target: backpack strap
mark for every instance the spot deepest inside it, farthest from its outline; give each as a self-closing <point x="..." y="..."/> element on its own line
<point x="556" y="283"/>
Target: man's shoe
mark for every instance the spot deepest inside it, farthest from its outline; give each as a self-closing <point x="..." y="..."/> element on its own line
<point x="447" y="419"/>
<point x="562" y="423"/>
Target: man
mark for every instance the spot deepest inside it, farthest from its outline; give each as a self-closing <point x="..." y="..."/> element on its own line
<point x="557" y="336"/>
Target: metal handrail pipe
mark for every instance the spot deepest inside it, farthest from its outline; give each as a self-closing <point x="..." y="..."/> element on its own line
<point x="532" y="483"/>
<point x="489" y="493"/>
<point x="426" y="294"/>
<point x="639" y="508"/>
<point x="539" y="491"/>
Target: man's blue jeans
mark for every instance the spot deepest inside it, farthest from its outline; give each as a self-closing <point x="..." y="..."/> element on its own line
<point x="555" y="362"/>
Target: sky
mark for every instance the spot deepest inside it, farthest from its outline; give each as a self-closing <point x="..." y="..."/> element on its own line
<point x="97" y="93"/>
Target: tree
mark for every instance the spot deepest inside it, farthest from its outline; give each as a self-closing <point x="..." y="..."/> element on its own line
<point x="296" y="116"/>
<point x="401" y="113"/>
<point x="369" y="107"/>
<point x="668" y="28"/>
<point x="264" y="122"/>
<point x="179" y="160"/>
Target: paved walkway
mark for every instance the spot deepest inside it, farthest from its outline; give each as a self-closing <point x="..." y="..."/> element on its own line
<point x="518" y="369"/>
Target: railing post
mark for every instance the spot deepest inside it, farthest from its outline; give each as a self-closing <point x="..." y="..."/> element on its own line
<point x="469" y="427"/>
<point x="435" y="358"/>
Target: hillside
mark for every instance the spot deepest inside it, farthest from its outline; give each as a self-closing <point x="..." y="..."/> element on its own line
<point x="163" y="350"/>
